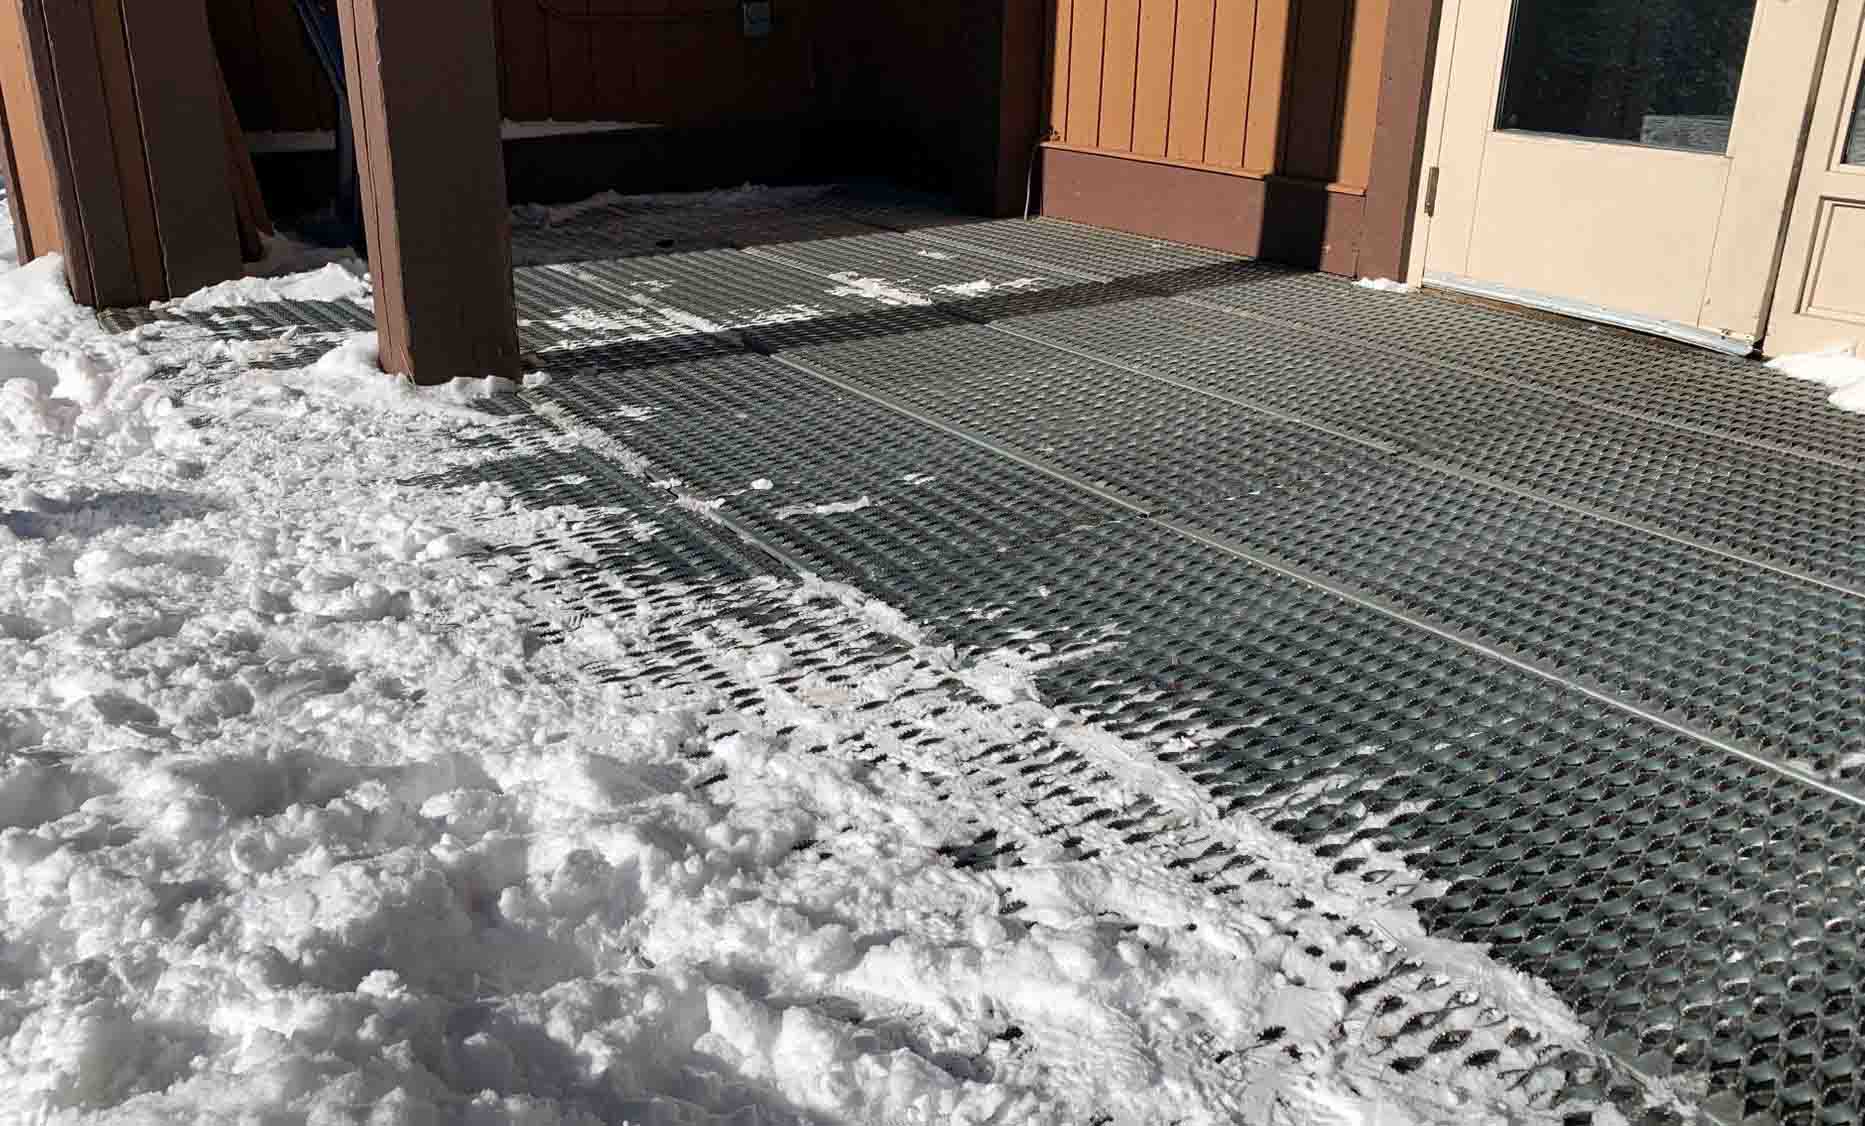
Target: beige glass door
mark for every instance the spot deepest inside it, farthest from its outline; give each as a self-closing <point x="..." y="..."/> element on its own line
<point x="1624" y="159"/>
<point x="1820" y="302"/>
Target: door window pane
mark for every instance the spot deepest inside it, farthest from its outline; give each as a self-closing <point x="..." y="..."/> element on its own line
<point x="1855" y="136"/>
<point x="1650" y="72"/>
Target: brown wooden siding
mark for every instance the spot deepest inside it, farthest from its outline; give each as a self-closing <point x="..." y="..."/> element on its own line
<point x="668" y="62"/>
<point x="1262" y="87"/>
<point x="1245" y="124"/>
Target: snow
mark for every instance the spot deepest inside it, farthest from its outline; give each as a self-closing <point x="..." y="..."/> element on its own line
<point x="1383" y="285"/>
<point x="334" y="281"/>
<point x="1839" y="368"/>
<point x="831" y="508"/>
<point x="720" y="200"/>
<point x="314" y="809"/>
<point x="984" y="285"/>
<point x="852" y="284"/>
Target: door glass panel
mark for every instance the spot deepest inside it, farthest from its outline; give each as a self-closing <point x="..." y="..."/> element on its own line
<point x="1649" y="72"/>
<point x="1855" y="135"/>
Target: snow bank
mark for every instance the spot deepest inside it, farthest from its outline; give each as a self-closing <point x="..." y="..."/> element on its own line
<point x="313" y="808"/>
<point x="1839" y="368"/>
<point x="331" y="282"/>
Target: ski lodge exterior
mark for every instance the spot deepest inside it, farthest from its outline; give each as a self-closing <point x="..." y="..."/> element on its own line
<point x="1689" y="167"/>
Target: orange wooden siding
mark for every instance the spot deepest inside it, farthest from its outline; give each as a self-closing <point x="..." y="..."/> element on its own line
<point x="1262" y="87"/>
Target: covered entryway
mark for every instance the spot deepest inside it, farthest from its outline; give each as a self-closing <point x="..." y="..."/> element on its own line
<point x="1626" y="160"/>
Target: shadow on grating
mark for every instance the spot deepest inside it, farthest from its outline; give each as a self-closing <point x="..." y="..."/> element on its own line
<point x="1696" y="908"/>
<point x="1647" y="525"/>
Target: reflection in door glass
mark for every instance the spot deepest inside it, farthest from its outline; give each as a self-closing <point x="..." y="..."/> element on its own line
<point x="1652" y="72"/>
<point x="1855" y="137"/>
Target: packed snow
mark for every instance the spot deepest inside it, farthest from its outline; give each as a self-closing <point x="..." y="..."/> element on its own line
<point x="829" y="508"/>
<point x="1839" y="368"/>
<point x="329" y="796"/>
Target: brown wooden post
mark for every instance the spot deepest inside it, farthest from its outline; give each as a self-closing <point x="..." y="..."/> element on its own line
<point x="102" y="99"/>
<point x="1399" y="141"/>
<point x="184" y="141"/>
<point x="1021" y="63"/>
<point x="424" y="98"/>
<point x="22" y="227"/>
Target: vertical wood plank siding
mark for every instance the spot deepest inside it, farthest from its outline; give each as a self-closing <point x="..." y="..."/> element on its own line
<point x="1264" y="87"/>
<point x="1153" y="76"/>
<point x="1233" y="41"/>
<point x="1257" y="126"/>
<point x="669" y="62"/>
<point x="1269" y="82"/>
<point x="1119" y="59"/>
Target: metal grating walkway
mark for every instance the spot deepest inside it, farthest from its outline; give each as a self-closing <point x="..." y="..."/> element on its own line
<point x="1569" y="621"/>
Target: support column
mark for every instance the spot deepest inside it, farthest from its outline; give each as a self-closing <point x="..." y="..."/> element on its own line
<point x="1023" y="72"/>
<point x="1399" y="138"/>
<point x="424" y="98"/>
<point x="116" y="154"/>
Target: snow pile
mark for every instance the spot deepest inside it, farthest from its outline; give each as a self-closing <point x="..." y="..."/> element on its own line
<point x="314" y="809"/>
<point x="333" y="282"/>
<point x="1383" y="285"/>
<point x="852" y="284"/>
<point x="984" y="286"/>
<point x="1839" y="368"/>
<point x="723" y="199"/>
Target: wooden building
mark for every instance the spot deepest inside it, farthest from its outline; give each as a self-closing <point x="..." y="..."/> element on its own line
<point x="1290" y="129"/>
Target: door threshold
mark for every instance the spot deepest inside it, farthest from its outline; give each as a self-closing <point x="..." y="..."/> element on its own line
<point x="1600" y="314"/>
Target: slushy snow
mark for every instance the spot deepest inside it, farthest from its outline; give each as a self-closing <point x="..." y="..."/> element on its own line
<point x="329" y="796"/>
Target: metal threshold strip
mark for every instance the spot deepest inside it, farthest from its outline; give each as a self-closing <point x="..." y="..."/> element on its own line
<point x="1587" y="311"/>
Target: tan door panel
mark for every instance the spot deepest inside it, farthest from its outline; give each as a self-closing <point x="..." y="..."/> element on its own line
<point x="1612" y="223"/>
<point x="1611" y="248"/>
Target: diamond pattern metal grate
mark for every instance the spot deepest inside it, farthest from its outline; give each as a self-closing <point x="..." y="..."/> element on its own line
<point x="1564" y="620"/>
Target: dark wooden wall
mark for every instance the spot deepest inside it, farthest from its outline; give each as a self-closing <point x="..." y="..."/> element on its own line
<point x="665" y="62"/>
<point x="915" y="88"/>
<point x="275" y="80"/>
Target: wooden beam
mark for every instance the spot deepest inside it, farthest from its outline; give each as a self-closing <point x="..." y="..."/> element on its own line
<point x="424" y="97"/>
<point x="135" y="200"/>
<point x="34" y="191"/>
<point x="1399" y="139"/>
<point x="9" y="167"/>
<point x="184" y="140"/>
<point x="119" y="101"/>
<point x="68" y="69"/>
<point x="1023" y="82"/>
<point x="248" y="203"/>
